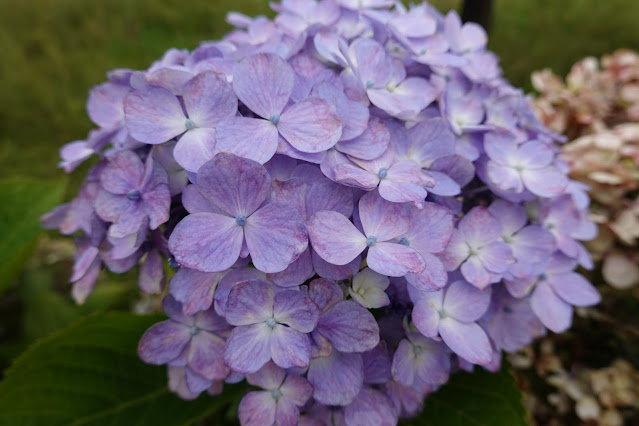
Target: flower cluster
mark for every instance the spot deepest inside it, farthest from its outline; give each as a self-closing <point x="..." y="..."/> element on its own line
<point x="599" y="107"/>
<point x="355" y="202"/>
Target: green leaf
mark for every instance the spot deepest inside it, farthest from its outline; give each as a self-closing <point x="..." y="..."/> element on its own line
<point x="479" y="398"/>
<point x="23" y="202"/>
<point x="89" y="374"/>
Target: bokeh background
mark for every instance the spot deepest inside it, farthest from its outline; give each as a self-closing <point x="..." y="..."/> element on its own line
<point x="54" y="51"/>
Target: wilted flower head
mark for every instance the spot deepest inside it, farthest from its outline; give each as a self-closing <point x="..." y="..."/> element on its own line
<point x="349" y="192"/>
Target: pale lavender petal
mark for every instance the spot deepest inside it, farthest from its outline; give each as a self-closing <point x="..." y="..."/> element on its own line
<point x="370" y="144"/>
<point x="432" y="278"/>
<point x="383" y="219"/>
<point x="153" y="115"/>
<point x="395" y="260"/>
<point x="236" y="185"/>
<point x="194" y="289"/>
<point x="551" y="310"/>
<point x="275" y="236"/>
<point x="444" y="185"/>
<point x="464" y="302"/>
<point x="403" y="366"/>
<point x="430" y="229"/>
<point x="349" y="327"/>
<point x="248" y="348"/>
<point x="286" y="413"/>
<point x="163" y="342"/>
<point x="123" y="173"/>
<point x="310" y="125"/>
<point x="206" y="356"/>
<point x="334" y="238"/>
<point x="208" y="98"/>
<point x="264" y="83"/>
<point x="405" y="100"/>
<point x="207" y="242"/>
<point x="105" y="104"/>
<point x="251" y="138"/>
<point x="296" y="310"/>
<point x="468" y="340"/>
<point x="269" y="377"/>
<point x="257" y="409"/>
<point x="574" y="289"/>
<point x="547" y="182"/>
<point x="511" y="216"/>
<point x="475" y="273"/>
<point x="536" y="154"/>
<point x="357" y="121"/>
<point x="479" y="227"/>
<point x="289" y="347"/>
<point x="351" y="175"/>
<point x="426" y="318"/>
<point x="504" y="178"/>
<point x="195" y="147"/>
<point x="296" y="389"/>
<point x="292" y="192"/>
<point x="402" y="192"/>
<point x="249" y="302"/>
<point x="337" y="378"/>
<point x="496" y="257"/>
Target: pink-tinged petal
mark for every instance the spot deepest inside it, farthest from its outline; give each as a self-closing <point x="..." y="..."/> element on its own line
<point x="153" y="115"/>
<point x="383" y="219"/>
<point x="195" y="147"/>
<point x="296" y="273"/>
<point x="206" y="356"/>
<point x="177" y="383"/>
<point x="208" y="98"/>
<point x="236" y="185"/>
<point x="465" y="303"/>
<point x="475" y="273"/>
<point x="269" y="377"/>
<point x="432" y="278"/>
<point x="547" y="182"/>
<point x="275" y="236"/>
<point x="163" y="342"/>
<point x="496" y="257"/>
<point x="479" y="227"/>
<point x="349" y="327"/>
<point x="407" y="99"/>
<point x="296" y="310"/>
<point x="430" y="229"/>
<point x="335" y="272"/>
<point x="394" y="260"/>
<point x="257" y="409"/>
<point x="194" y="289"/>
<point x="251" y="138"/>
<point x="292" y="192"/>
<point x="172" y="79"/>
<point x="194" y="202"/>
<point x="249" y="302"/>
<point x="207" y="242"/>
<point x="536" y="154"/>
<point x="105" y="104"/>
<point x="325" y="293"/>
<point x="334" y="238"/>
<point x="551" y="310"/>
<point x="327" y="195"/>
<point x="352" y="175"/>
<point x="574" y="289"/>
<point x="123" y="173"/>
<point x="468" y="340"/>
<point x="289" y="347"/>
<point x="151" y="278"/>
<point x="426" y="318"/>
<point x="264" y="83"/>
<point x="297" y="390"/>
<point x="370" y="407"/>
<point x="337" y="378"/>
<point x="248" y="348"/>
<point x="286" y="413"/>
<point x="370" y="144"/>
<point x="310" y="125"/>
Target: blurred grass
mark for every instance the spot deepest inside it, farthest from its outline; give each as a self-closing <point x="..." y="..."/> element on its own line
<point x="53" y="51"/>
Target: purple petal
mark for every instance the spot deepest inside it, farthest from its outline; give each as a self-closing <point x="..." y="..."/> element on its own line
<point x="153" y="115"/>
<point x="194" y="202"/>
<point x="325" y="293"/>
<point x="208" y="99"/>
<point x="207" y="242"/>
<point x="163" y="342"/>
<point x="105" y="104"/>
<point x="504" y="178"/>
<point x="123" y="173"/>
<point x="335" y="272"/>
<point x="264" y="83"/>
<point x="289" y="347"/>
<point x="395" y="260"/>
<point x="551" y="310"/>
<point x="475" y="273"/>
<point x="195" y="147"/>
<point x="349" y="327"/>
<point x="257" y="409"/>
<point x="248" y="348"/>
<point x="297" y="390"/>
<point x="195" y="382"/>
<point x="407" y="99"/>
<point x="547" y="182"/>
<point x="151" y="278"/>
<point x="206" y="356"/>
<point x="229" y="280"/>
<point x="310" y="126"/>
<point x="194" y="289"/>
<point x="328" y="195"/>
<point x="432" y="278"/>
<point x="286" y="413"/>
<point x="468" y="340"/>
<point x="370" y="144"/>
<point x="574" y="289"/>
<point x="292" y="192"/>
<point x="464" y="302"/>
<point x="296" y="310"/>
<point x="356" y="122"/>
<point x="334" y="238"/>
<point x="479" y="227"/>
<point x="337" y="378"/>
<point x="370" y="407"/>
<point x="275" y="236"/>
<point x="296" y="273"/>
<point x="430" y="229"/>
<point x="249" y="302"/>
<point x="426" y="318"/>
<point x="383" y="219"/>
<point x="269" y="377"/>
<point x="251" y="138"/>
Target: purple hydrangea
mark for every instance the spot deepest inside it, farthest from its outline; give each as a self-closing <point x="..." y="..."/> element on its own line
<point x="353" y="200"/>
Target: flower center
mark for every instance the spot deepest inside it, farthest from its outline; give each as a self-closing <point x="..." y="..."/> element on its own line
<point x="443" y="314"/>
<point x="404" y="241"/>
<point x="369" y="84"/>
<point x="370" y="241"/>
<point x="193" y="331"/>
<point x="189" y="124"/>
<point x="507" y="309"/>
<point x="417" y="350"/>
<point x="240" y="220"/>
<point x="382" y="173"/>
<point x="134" y="195"/>
<point x="276" y="394"/>
<point x="274" y="118"/>
<point x="271" y="322"/>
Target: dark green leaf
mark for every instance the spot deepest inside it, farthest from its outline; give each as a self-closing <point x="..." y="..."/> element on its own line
<point x="23" y="201"/>
<point x="475" y="399"/>
<point x="89" y="374"/>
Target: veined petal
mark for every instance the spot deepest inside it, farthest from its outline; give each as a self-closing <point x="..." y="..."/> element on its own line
<point x="349" y="327"/>
<point x="251" y="138"/>
<point x="468" y="340"/>
<point x="249" y="302"/>
<point x="289" y="347"/>
<point x="208" y="99"/>
<point x="381" y="218"/>
<point x="195" y="147"/>
<point x="257" y="408"/>
<point x="296" y="310"/>
<point x="310" y="125"/>
<point x="153" y="115"/>
<point x="551" y="310"/>
<point x="337" y="378"/>
<point x="248" y="348"/>
<point x="394" y="260"/>
<point x="334" y="238"/>
<point x="163" y="342"/>
<point x="464" y="302"/>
